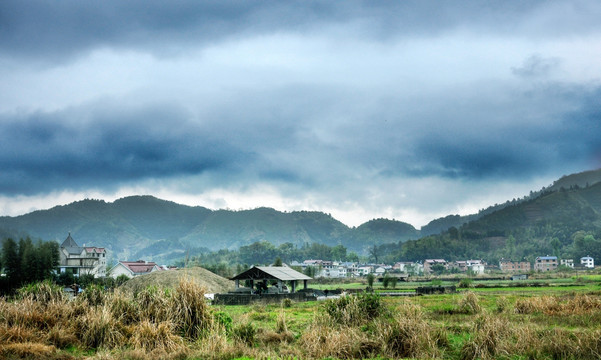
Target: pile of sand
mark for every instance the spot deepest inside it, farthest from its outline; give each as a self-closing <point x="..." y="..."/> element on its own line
<point x="169" y="279"/>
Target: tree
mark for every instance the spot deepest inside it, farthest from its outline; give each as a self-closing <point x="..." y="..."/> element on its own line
<point x="438" y="269"/>
<point x="278" y="261"/>
<point x="12" y="263"/>
<point x="370" y="280"/>
<point x="386" y="281"/>
<point x="393" y="281"/>
<point x="373" y="253"/>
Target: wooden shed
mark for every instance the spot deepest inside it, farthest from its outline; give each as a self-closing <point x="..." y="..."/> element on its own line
<point x="266" y="274"/>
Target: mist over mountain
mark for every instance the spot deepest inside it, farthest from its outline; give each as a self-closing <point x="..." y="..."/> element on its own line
<point x="147" y="227"/>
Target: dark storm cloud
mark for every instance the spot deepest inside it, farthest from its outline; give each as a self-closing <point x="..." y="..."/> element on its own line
<point x="484" y="149"/>
<point x="93" y="147"/>
<point x="54" y="30"/>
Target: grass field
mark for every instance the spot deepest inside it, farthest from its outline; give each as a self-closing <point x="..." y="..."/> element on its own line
<point x="556" y="319"/>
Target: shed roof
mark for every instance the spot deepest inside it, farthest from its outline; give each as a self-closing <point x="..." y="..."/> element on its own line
<point x="271" y="272"/>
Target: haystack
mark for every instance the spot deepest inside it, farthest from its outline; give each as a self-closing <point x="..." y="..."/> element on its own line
<point x="169" y="279"/>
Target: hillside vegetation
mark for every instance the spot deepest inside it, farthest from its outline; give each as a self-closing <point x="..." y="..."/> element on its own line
<point x="553" y="220"/>
<point x="145" y="227"/>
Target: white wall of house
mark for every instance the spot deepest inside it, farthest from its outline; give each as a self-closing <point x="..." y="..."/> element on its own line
<point x="119" y="270"/>
<point x="587" y="262"/>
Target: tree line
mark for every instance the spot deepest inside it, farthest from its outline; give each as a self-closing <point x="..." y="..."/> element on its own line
<point x="26" y="262"/>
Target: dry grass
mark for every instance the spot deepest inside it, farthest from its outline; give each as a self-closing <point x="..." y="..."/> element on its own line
<point x="178" y="324"/>
<point x="190" y="312"/>
<point x="469" y="304"/>
<point x="28" y="350"/>
<point x="98" y="329"/>
<point x="156" y="337"/>
<point x="321" y="341"/>
<point x="408" y="334"/>
<point x="165" y="279"/>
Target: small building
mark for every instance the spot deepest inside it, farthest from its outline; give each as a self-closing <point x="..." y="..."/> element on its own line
<point x="506" y="265"/>
<point x="262" y="276"/>
<point x="587" y="262"/>
<point x="545" y="263"/>
<point x="81" y="260"/>
<point x="567" y="262"/>
<point x="132" y="269"/>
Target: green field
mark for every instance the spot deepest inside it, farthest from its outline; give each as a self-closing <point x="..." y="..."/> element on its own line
<point x="546" y="318"/>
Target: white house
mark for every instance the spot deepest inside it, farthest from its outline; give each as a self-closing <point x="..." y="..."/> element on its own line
<point x="567" y="262"/>
<point x="587" y="262"/>
<point x="134" y="268"/>
<point x="88" y="260"/>
<point x="380" y="270"/>
<point x="477" y="267"/>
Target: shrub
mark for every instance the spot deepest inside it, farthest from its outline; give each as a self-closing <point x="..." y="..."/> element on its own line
<point x="245" y="333"/>
<point x="93" y="294"/>
<point x="286" y="303"/>
<point x="43" y="292"/>
<point x="224" y="320"/>
<point x="354" y="310"/>
<point x="466" y="283"/>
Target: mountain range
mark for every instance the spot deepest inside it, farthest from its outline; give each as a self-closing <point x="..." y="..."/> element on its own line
<point x="153" y="229"/>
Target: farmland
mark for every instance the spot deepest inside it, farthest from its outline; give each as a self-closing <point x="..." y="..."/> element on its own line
<point x="543" y="318"/>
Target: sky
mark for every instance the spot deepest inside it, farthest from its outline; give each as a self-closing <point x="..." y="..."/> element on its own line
<point x="407" y="110"/>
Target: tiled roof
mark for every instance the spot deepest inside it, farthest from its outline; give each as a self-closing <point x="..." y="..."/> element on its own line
<point x="94" y="249"/>
<point x="139" y="267"/>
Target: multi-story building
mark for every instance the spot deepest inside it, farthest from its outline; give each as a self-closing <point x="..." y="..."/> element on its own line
<point x="567" y="262"/>
<point x="587" y="262"/>
<point x="545" y="263"/>
<point x="506" y="265"/>
<point x="429" y="263"/>
<point x="82" y="260"/>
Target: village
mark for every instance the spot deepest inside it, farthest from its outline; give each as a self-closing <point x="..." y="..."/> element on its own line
<point x="90" y="260"/>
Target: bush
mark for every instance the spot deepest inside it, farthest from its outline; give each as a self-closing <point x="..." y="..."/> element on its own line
<point x="286" y="303"/>
<point x="354" y="310"/>
<point x="224" y="320"/>
<point x="245" y="333"/>
<point x="44" y="292"/>
<point x="466" y="283"/>
<point x="93" y="294"/>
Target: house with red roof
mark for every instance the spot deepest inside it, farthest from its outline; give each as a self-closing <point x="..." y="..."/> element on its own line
<point x="134" y="268"/>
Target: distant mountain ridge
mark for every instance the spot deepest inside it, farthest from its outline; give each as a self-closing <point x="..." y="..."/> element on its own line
<point x="146" y="227"/>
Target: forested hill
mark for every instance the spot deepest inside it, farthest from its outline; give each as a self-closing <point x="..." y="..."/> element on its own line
<point x="566" y="223"/>
<point x="147" y="227"/>
<point x="574" y="181"/>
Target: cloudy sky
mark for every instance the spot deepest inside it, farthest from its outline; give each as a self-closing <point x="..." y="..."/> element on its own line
<point x="409" y="110"/>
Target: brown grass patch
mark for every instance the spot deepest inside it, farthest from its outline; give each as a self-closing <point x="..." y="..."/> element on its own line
<point x="190" y="312"/>
<point x="17" y="334"/>
<point x="27" y="350"/>
<point x="150" y="336"/>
